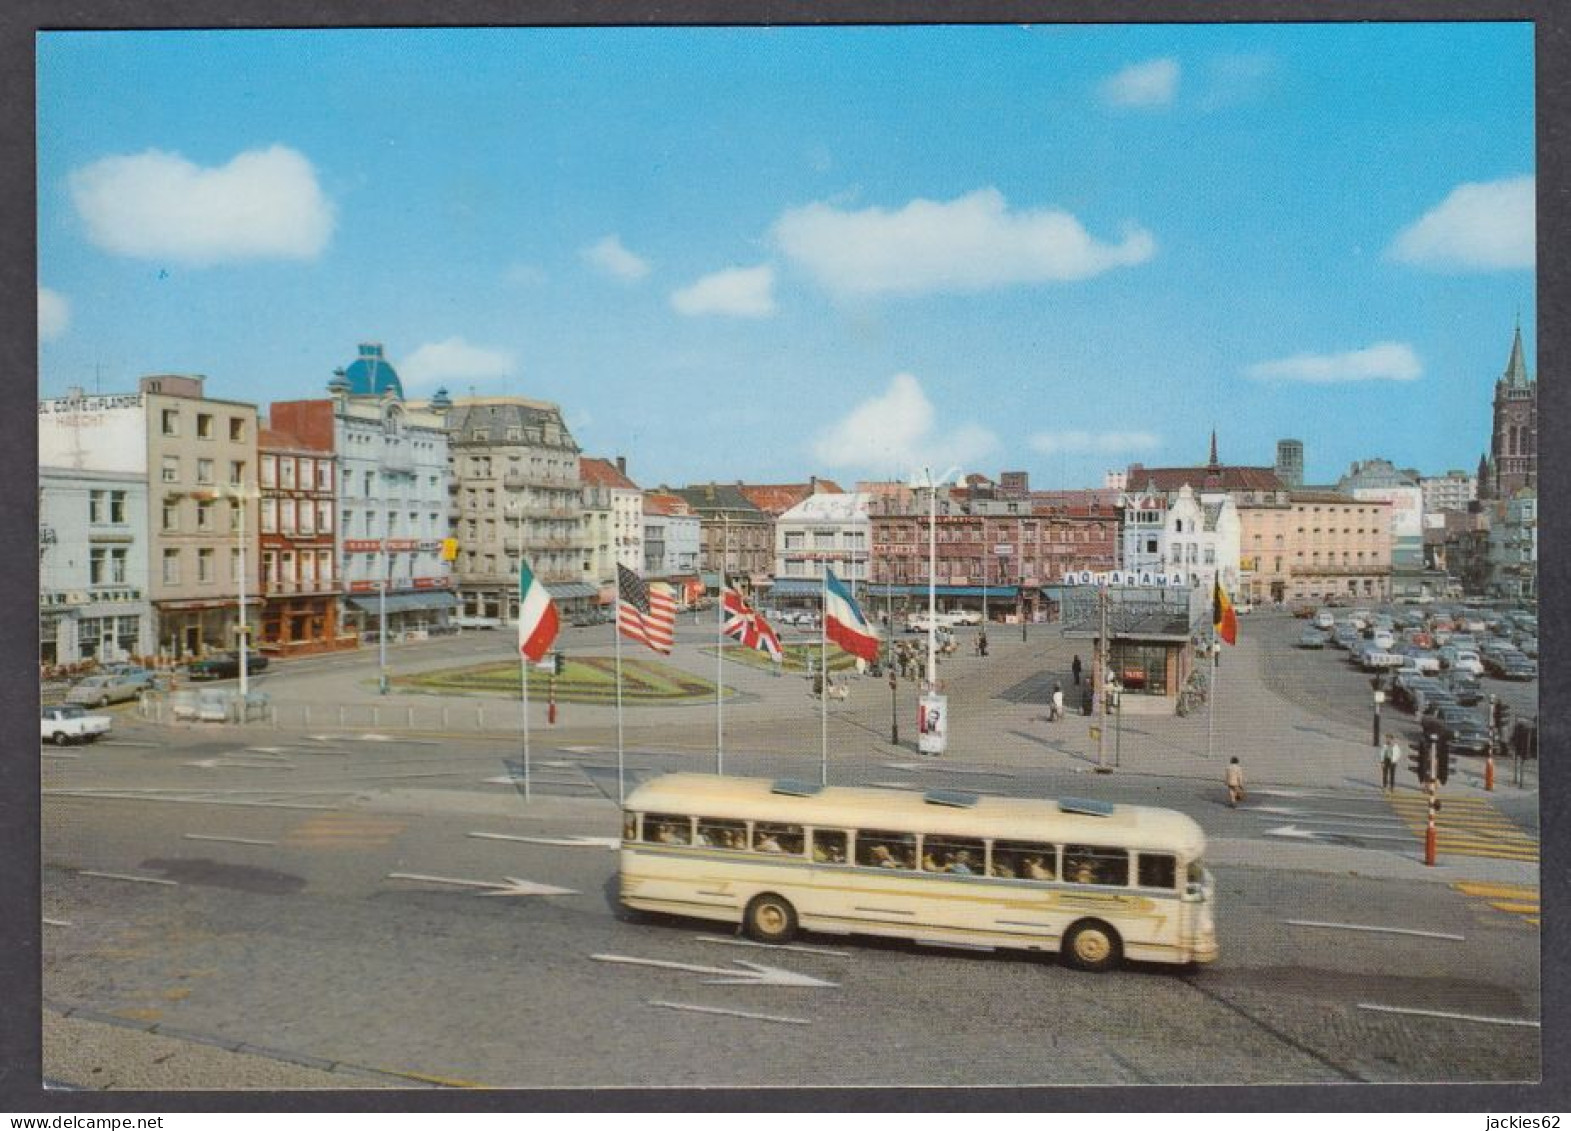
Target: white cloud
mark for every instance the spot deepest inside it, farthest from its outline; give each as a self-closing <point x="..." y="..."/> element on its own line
<point x="972" y="243"/>
<point x="895" y="433"/>
<point x="743" y="292"/>
<point x="1053" y="443"/>
<point x="1383" y="361"/>
<point x="615" y="260"/>
<point x="54" y="314"/>
<point x="1481" y="227"/>
<point x="452" y="361"/>
<point x="1152" y="83"/>
<point x="264" y="204"/>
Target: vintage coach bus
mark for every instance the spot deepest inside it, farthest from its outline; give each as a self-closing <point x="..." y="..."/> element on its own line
<point x="1095" y="881"/>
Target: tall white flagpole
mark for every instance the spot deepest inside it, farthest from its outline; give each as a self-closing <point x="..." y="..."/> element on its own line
<point x="720" y="674"/>
<point x="523" y="680"/>
<point x="823" y="664"/>
<point x="1216" y="651"/>
<point x="616" y="631"/>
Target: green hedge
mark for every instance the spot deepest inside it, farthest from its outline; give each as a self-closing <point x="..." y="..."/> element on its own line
<point x="590" y="679"/>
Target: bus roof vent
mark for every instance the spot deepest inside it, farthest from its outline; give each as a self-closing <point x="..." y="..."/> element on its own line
<point x="1085" y="806"/>
<point x="954" y="798"/>
<point x="793" y="788"/>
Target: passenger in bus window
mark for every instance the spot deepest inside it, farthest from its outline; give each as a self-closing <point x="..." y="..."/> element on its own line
<point x="829" y="846"/>
<point x="1083" y="871"/>
<point x="961" y="864"/>
<point x="1036" y="870"/>
<point x="1003" y="866"/>
<point x="931" y="863"/>
<point x="768" y="842"/>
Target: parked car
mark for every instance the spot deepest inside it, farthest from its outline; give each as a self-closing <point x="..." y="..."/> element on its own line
<point x="105" y="688"/>
<point x="1518" y="667"/>
<point x="226" y="665"/>
<point x="1467" y="661"/>
<point x="70" y="723"/>
<point x="1463" y="730"/>
<point x="1465" y="687"/>
<point x="1312" y="638"/>
<point x="1326" y="619"/>
<point x="477" y="622"/>
<point x="1383" y="639"/>
<point x="212" y="704"/>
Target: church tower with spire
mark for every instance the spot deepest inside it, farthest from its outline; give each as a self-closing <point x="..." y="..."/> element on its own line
<point x="1512" y="462"/>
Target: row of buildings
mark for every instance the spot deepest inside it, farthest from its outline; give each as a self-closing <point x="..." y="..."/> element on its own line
<point x="168" y="518"/>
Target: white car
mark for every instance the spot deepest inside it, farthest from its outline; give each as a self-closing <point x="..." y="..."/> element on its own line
<point x="1325" y="618"/>
<point x="1468" y="662"/>
<point x="71" y="723"/>
<point x="1383" y="639"/>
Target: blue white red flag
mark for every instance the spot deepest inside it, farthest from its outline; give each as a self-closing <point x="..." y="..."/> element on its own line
<point x="844" y="622"/>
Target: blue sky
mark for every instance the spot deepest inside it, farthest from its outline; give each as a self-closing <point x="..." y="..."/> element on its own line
<point x="770" y="253"/>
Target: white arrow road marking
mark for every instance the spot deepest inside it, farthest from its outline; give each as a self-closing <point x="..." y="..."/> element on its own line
<point x="230" y="839"/>
<point x="560" y="841"/>
<point x="56" y="923"/>
<point x="731" y="1013"/>
<point x="230" y="764"/>
<point x="57" y="754"/>
<point x="1292" y="831"/>
<point x="265" y="749"/>
<point x="894" y="785"/>
<point x="1377" y="930"/>
<point x="1522" y="1021"/>
<point x="513" y="886"/>
<point x="902" y="765"/>
<point x="133" y="879"/>
<point x="121" y="742"/>
<point x="775" y="946"/>
<point x="755" y="974"/>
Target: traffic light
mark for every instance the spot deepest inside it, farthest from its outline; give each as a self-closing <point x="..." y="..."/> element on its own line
<point x="1502" y="718"/>
<point x="1426" y="763"/>
<point x="1442" y="759"/>
<point x="1415" y="762"/>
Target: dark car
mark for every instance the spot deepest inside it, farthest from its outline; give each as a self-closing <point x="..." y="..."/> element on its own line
<point x="1517" y="666"/>
<point x="1464" y="685"/>
<point x="1462" y="730"/>
<point x="226" y="665"/>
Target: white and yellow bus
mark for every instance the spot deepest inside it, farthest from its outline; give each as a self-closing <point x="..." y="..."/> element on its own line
<point x="1093" y="880"/>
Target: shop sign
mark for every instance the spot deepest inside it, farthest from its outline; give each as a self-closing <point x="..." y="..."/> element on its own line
<point x="1128" y="577"/>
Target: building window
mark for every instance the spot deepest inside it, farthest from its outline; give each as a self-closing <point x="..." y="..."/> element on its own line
<point x="95" y="506"/>
<point x="204" y="565"/>
<point x="204" y="426"/>
<point x="171" y="516"/>
<point x="204" y="514"/>
<point x="204" y="471"/>
<point x="324" y="516"/>
<point x="269" y="471"/>
<point x="286" y="474"/>
<point x="236" y="472"/>
<point x="171" y="470"/>
<point x="170" y="419"/>
<point x="324" y="475"/>
<point x="97" y="566"/>
<point x="269" y="516"/>
<point x="237" y="429"/>
<point x="171" y="567"/>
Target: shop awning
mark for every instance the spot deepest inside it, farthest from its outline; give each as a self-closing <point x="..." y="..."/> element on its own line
<point x="572" y="590"/>
<point x="403" y="602"/>
<point x="1000" y="592"/>
<point x="796" y="587"/>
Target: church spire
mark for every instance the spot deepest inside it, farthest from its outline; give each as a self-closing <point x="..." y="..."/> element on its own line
<point x="1516" y="368"/>
<point x="1215" y="463"/>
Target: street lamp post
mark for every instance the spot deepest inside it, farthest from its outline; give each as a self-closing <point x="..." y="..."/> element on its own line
<point x="244" y="621"/>
<point x="932" y="485"/>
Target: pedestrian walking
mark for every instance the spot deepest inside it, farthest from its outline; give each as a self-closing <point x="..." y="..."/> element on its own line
<point x="1235" y="782"/>
<point x="1056" y="712"/>
<point x="1076" y="669"/>
<point x="1390" y="759"/>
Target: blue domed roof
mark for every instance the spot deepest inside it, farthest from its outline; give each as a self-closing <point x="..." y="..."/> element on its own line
<point x="371" y="375"/>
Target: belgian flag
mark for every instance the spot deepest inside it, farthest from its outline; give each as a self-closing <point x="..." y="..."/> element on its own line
<point x="1223" y="619"/>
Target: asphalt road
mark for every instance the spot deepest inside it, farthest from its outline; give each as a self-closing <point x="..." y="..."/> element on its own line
<point x="280" y="921"/>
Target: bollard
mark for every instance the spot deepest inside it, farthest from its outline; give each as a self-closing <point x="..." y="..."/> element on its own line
<point x="1431" y="840"/>
<point x="1489" y="773"/>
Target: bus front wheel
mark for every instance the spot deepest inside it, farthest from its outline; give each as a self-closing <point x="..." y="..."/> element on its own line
<point x="1092" y="945"/>
<point x="770" y="919"/>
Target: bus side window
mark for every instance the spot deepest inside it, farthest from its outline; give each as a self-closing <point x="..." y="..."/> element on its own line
<point x="717" y="832"/>
<point x="829" y="846"/>
<point x="1158" y="870"/>
<point x="667" y="828"/>
<point x="886" y="850"/>
<point x="1085" y="864"/>
<point x="629" y="826"/>
<point x="781" y="839"/>
<point x="1020" y="860"/>
<point x="960" y="855"/>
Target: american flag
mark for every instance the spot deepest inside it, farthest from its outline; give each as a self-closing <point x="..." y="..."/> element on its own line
<point x="645" y="613"/>
<point x="748" y="626"/>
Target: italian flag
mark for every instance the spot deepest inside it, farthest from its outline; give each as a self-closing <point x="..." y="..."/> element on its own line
<point x="537" y="617"/>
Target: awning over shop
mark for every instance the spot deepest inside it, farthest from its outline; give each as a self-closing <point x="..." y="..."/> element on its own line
<point x="1003" y="592"/>
<point x="403" y="602"/>
<point x="796" y="587"/>
<point x="572" y="590"/>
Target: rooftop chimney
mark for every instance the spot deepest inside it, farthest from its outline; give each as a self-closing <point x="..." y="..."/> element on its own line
<point x="621" y="465"/>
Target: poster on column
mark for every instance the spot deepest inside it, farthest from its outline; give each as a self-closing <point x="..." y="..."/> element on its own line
<point x="932" y="724"/>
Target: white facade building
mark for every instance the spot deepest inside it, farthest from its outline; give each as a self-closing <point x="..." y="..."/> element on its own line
<point x="1199" y="535"/>
<point x="832" y="528"/>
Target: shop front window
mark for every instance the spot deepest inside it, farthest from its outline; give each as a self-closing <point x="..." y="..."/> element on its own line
<point x="1141" y="668"/>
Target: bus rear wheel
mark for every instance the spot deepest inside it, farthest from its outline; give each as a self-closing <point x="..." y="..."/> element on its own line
<point x="1092" y="945"/>
<point x="770" y="919"/>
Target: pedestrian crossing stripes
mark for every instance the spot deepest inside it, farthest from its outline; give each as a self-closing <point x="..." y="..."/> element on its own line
<point x="343" y="831"/>
<point x="1466" y="826"/>
<point x="1513" y="899"/>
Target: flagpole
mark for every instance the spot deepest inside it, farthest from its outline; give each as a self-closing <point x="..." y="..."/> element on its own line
<point x="823" y="664"/>
<point x="720" y="674"/>
<point x="616" y="632"/>
<point x="1216" y="651"/>
<point x="523" y="679"/>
